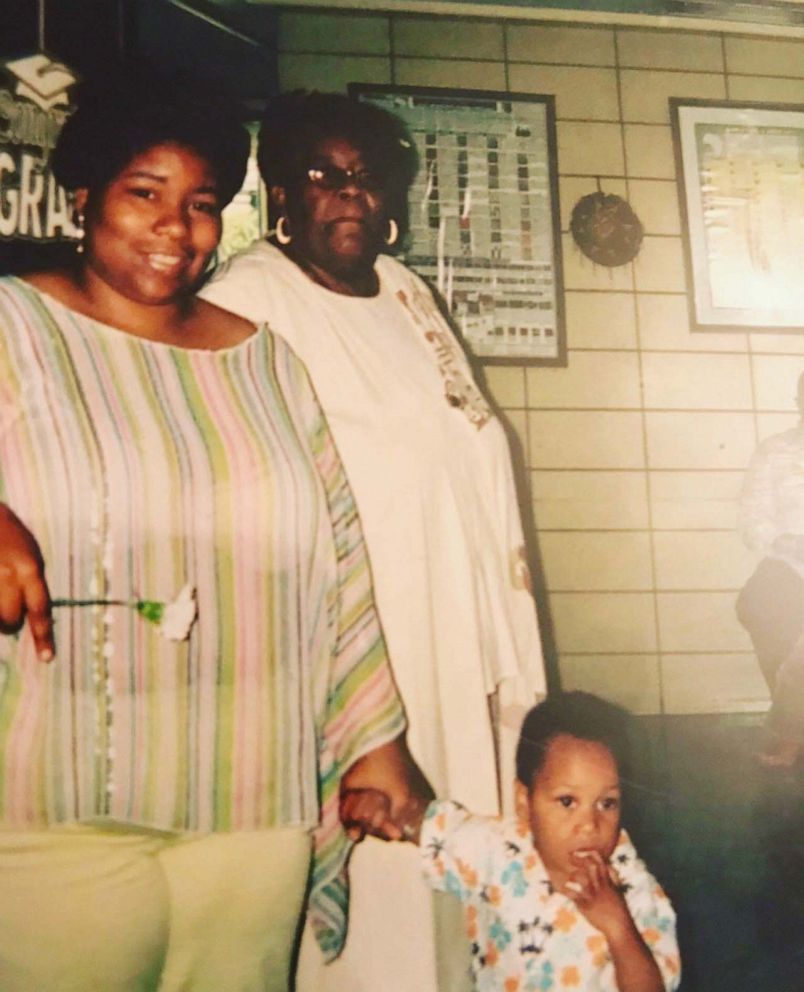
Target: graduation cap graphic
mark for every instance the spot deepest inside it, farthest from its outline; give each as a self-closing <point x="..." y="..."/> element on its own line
<point x="41" y="80"/>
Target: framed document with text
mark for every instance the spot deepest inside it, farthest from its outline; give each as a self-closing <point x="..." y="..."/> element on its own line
<point x="740" y="169"/>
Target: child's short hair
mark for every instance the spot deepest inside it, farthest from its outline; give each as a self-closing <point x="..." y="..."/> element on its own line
<point x="579" y="714"/>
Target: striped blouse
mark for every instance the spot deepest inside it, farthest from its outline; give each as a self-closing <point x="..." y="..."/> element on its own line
<point x="140" y="467"/>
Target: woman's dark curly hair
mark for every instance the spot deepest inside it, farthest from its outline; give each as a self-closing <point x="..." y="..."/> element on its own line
<point x="120" y="118"/>
<point x="295" y="123"/>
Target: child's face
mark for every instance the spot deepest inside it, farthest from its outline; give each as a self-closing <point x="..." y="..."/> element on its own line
<point x="573" y="804"/>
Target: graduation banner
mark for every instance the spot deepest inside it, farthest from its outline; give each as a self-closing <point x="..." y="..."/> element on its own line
<point x="34" y="103"/>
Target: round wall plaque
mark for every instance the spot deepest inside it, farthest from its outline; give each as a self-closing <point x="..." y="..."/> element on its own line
<point x="606" y="229"/>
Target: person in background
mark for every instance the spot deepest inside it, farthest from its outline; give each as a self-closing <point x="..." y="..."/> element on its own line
<point x="557" y="897"/>
<point x="771" y="604"/>
<point x="432" y="477"/>
<point x="160" y="785"/>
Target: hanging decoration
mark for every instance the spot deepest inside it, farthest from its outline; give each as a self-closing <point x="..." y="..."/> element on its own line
<point x="606" y="229"/>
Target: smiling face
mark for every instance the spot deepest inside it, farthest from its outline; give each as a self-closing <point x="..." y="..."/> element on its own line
<point x="573" y="804"/>
<point x="337" y="225"/>
<point x="151" y="230"/>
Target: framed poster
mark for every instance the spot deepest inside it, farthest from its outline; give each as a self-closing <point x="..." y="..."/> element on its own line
<point x="740" y="169"/>
<point x="484" y="218"/>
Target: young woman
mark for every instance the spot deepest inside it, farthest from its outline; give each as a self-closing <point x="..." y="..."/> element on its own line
<point x="158" y="796"/>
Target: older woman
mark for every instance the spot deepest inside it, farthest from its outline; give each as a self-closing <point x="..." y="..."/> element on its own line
<point x="431" y="473"/>
<point x="157" y="795"/>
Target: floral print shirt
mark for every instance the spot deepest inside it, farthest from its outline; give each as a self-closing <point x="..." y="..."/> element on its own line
<point x="527" y="937"/>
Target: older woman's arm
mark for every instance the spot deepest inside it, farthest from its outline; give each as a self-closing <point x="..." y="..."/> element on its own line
<point x="23" y="589"/>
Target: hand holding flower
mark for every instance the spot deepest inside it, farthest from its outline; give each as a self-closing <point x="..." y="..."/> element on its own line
<point x="23" y="588"/>
<point x="174" y="619"/>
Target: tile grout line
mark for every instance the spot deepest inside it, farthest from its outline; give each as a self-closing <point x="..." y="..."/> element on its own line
<point x="643" y="412"/>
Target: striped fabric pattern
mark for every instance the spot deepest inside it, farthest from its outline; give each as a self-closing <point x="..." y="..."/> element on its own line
<point x="140" y="467"/>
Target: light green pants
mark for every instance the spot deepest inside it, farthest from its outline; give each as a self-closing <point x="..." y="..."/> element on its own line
<point x="91" y="910"/>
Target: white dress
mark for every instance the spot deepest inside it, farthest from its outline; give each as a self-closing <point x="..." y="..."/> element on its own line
<point x="430" y="469"/>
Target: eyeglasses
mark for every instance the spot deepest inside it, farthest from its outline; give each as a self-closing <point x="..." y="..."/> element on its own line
<point x="332" y="177"/>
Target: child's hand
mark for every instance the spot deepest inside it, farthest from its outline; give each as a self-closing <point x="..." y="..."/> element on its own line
<point x="594" y="888"/>
<point x="367" y="811"/>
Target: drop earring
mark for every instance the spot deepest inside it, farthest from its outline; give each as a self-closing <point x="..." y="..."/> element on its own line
<point x="393" y="232"/>
<point x="79" y="233"/>
<point x="282" y="232"/>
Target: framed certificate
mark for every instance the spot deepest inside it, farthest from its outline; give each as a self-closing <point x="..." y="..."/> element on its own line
<point x="740" y="169"/>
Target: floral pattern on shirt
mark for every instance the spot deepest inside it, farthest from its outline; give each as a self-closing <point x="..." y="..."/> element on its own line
<point x="460" y="390"/>
<point x="525" y="936"/>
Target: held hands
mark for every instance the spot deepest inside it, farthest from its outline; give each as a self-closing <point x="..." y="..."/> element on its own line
<point x="384" y="794"/>
<point x="594" y="888"/>
<point x="368" y="812"/>
<point x="23" y="589"/>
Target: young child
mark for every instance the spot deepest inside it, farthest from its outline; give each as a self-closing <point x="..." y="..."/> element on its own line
<point x="557" y="898"/>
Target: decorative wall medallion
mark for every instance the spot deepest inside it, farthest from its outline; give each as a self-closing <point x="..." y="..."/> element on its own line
<point x="606" y="229"/>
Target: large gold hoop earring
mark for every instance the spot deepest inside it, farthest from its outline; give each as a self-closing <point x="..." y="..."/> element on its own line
<point x="282" y="232"/>
<point x="393" y="232"/>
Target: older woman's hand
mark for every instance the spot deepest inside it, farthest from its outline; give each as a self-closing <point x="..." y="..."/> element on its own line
<point x="367" y="811"/>
<point x="23" y="589"/>
<point x="391" y="771"/>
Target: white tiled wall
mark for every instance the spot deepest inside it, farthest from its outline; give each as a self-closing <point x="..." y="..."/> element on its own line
<point x="636" y="449"/>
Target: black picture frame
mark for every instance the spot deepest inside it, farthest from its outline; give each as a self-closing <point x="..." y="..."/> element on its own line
<point x="492" y="156"/>
<point x="740" y="171"/>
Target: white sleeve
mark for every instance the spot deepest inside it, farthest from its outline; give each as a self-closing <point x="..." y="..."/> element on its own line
<point x="757" y="519"/>
<point x="240" y="286"/>
<point x="454" y="844"/>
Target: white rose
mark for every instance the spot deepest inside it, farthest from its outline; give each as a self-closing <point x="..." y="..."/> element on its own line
<point x="179" y="615"/>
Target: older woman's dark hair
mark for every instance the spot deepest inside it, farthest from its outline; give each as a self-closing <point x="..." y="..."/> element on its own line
<point x="578" y="714"/>
<point x="118" y="119"/>
<point x="295" y="123"/>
